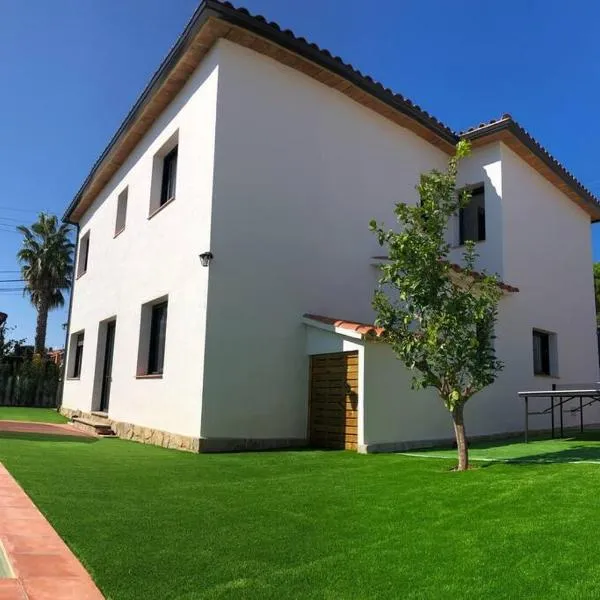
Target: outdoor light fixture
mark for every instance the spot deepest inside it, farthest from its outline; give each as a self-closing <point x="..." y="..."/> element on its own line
<point x="205" y="258"/>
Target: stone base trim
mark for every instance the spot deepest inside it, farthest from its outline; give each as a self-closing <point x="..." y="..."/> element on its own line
<point x="139" y="433"/>
<point x="156" y="437"/>
<point x="450" y="442"/>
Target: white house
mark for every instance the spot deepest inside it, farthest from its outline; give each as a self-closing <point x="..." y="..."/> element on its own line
<point x="263" y="157"/>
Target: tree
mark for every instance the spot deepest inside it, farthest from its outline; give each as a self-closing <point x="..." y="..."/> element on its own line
<point x="7" y="345"/>
<point x="597" y="291"/>
<point x="46" y="258"/>
<point x="439" y="323"/>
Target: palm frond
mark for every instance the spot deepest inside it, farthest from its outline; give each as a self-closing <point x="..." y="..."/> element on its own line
<point x="46" y="259"/>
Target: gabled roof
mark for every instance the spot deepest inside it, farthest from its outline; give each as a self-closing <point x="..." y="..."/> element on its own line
<point x="507" y="130"/>
<point x="214" y="20"/>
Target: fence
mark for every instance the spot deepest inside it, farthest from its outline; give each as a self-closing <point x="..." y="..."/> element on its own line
<point x="29" y="383"/>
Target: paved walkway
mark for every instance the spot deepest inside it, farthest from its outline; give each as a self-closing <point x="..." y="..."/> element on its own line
<point x="44" y="568"/>
<point x="47" y="428"/>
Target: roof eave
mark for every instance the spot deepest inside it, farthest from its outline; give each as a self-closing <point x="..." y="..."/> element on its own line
<point x="324" y="58"/>
<point x="198" y="19"/>
<point x="507" y="125"/>
<point x="286" y="39"/>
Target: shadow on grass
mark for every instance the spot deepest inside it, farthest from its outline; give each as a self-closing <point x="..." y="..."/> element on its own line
<point x="45" y="437"/>
<point x="568" y="455"/>
<point x="583" y="447"/>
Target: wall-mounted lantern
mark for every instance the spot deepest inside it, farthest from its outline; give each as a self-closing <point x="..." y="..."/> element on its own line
<point x="205" y="258"/>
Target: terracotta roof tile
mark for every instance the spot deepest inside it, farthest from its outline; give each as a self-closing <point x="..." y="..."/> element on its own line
<point x="367" y="78"/>
<point x="507" y="123"/>
<point x="365" y="329"/>
<point x="476" y="274"/>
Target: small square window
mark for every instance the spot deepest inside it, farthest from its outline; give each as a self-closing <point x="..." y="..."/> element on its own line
<point x="121" y="211"/>
<point x="472" y="218"/>
<point x="84" y="252"/>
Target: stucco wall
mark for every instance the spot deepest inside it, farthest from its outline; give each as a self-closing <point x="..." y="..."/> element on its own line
<point x="279" y="176"/>
<point x="546" y="253"/>
<point x="149" y="259"/>
<point x="396" y="413"/>
<point x="300" y="170"/>
<point x="483" y="166"/>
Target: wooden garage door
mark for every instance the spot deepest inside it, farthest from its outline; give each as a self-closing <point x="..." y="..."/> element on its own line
<point x="333" y="416"/>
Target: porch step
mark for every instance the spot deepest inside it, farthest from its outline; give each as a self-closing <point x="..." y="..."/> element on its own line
<point x="95" y="427"/>
<point x="100" y="415"/>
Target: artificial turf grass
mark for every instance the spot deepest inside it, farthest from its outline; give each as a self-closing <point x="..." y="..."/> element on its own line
<point x="37" y="415"/>
<point x="576" y="448"/>
<point x="153" y="523"/>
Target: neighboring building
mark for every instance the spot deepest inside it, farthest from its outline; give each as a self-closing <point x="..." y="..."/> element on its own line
<point x="263" y="157"/>
<point x="56" y="355"/>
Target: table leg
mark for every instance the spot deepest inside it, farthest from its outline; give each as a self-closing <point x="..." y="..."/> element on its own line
<point x="526" y="419"/>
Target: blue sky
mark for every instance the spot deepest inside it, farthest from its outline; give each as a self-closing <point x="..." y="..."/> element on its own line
<point x="71" y="69"/>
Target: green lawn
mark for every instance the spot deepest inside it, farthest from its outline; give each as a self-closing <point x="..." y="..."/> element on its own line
<point x="39" y="415"/>
<point x="158" y="524"/>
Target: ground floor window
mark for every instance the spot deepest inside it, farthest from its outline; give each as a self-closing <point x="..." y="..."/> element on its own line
<point x="158" y="329"/>
<point x="544" y="353"/>
<point x="153" y="335"/>
<point x="76" y="355"/>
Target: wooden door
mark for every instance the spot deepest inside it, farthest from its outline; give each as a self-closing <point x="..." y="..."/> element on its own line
<point x="333" y="410"/>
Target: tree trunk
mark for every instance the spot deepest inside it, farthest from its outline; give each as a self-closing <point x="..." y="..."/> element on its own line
<point x="461" y="439"/>
<point x="40" y="328"/>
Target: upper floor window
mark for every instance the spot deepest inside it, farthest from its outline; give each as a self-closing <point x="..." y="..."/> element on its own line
<point x="153" y="331"/>
<point x="164" y="174"/>
<point x="121" y="211"/>
<point x="169" y="177"/>
<point x="84" y="252"/>
<point x="472" y="218"/>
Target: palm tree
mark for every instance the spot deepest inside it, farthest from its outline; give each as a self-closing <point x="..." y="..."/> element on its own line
<point x="46" y="258"/>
